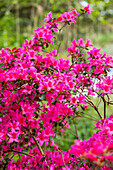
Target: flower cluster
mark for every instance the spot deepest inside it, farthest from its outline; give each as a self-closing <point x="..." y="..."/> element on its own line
<point x="41" y="95"/>
<point x="98" y="149"/>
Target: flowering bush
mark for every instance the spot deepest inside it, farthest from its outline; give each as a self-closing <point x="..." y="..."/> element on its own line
<point x="41" y="94"/>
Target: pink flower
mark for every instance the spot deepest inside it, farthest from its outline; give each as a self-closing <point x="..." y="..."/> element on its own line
<point x="62" y="130"/>
<point x="13" y="136"/>
<point x="77" y="148"/>
<point x="2" y="136"/>
<point x="81" y="99"/>
<point x="48" y="17"/>
<point x="88" y="43"/>
<point x="74" y="43"/>
<point x="98" y="149"/>
<point x="87" y="9"/>
<point x="14" y="125"/>
<point x="68" y="126"/>
<point x="91" y="157"/>
<point x="81" y="168"/>
<point x="81" y="42"/>
<point x="74" y="100"/>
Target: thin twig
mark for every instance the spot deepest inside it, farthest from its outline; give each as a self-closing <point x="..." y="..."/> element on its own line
<point x="93" y="105"/>
<point x="110" y="103"/>
<point x="76" y="131"/>
<point x="22" y="152"/>
<point x="62" y="158"/>
<point x="47" y="67"/>
<point x="108" y="97"/>
<point x="104" y="106"/>
<point x="40" y="149"/>
<point x="99" y="102"/>
<point x="105" y="102"/>
<point x="90" y="116"/>
<point x="63" y="26"/>
<point x="73" y="134"/>
<point x="60" y="36"/>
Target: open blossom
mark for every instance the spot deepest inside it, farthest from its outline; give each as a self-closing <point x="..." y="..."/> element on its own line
<point x="81" y="99"/>
<point x="68" y="16"/>
<point x="87" y="8"/>
<point x="13" y="136"/>
<point x="14" y="125"/>
<point x="88" y="43"/>
<point x="106" y="85"/>
<point x="81" y="42"/>
<point x="48" y="17"/>
<point x="2" y="136"/>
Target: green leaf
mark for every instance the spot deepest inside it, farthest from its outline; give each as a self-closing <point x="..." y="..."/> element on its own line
<point x="3" y="68"/>
<point x="13" y="92"/>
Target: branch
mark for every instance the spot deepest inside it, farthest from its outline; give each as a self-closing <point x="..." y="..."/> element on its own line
<point x="62" y="158"/>
<point x="93" y="105"/>
<point x="73" y="134"/>
<point x="92" y="117"/>
<point x="105" y="102"/>
<point x="104" y="107"/>
<point x="22" y="152"/>
<point x="110" y="103"/>
<point x="88" y="118"/>
<point x="76" y="131"/>
<point x="63" y="26"/>
<point x="47" y="67"/>
<point x="40" y="149"/>
<point x="60" y="35"/>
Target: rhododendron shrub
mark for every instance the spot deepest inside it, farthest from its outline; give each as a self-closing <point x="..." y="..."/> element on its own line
<point x="41" y="94"/>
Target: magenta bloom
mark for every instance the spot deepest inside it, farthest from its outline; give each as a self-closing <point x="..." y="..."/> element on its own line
<point x="13" y="136"/>
<point x="87" y="9"/>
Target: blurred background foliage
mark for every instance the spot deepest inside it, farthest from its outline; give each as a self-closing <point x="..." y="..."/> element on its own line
<point x="19" y="18"/>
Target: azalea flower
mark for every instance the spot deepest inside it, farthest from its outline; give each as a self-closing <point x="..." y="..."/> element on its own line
<point x="87" y="9"/>
<point x="13" y="136"/>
